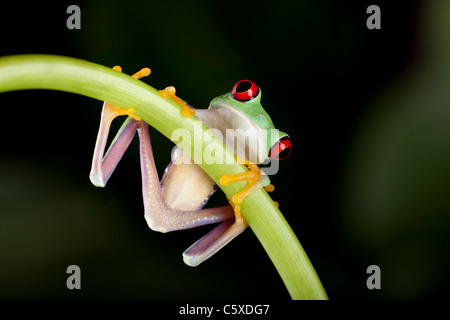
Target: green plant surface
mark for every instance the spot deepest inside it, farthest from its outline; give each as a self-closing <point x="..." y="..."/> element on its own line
<point x="23" y="72"/>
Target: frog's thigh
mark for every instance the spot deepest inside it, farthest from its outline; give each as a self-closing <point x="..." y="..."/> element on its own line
<point x="186" y="186"/>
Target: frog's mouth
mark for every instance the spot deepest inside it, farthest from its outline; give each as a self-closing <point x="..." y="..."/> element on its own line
<point x="238" y="132"/>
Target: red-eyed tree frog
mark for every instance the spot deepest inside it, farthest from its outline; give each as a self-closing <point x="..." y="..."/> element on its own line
<point x="177" y="201"/>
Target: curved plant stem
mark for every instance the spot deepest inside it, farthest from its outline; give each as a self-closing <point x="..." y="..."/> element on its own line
<point x="102" y="83"/>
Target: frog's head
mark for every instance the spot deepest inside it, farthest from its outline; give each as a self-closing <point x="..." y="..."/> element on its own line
<point x="257" y="138"/>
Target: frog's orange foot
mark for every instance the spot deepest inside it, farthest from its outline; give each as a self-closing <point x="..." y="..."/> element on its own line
<point x="144" y="72"/>
<point x="236" y="208"/>
<point x="254" y="177"/>
<point x="169" y="92"/>
<point x="118" y="111"/>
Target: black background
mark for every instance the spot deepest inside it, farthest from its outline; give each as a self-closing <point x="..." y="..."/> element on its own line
<point x="327" y="80"/>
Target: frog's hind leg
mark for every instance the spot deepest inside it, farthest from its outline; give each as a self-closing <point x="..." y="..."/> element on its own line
<point x="103" y="166"/>
<point x="165" y="208"/>
<point x="214" y="241"/>
<point x="165" y="212"/>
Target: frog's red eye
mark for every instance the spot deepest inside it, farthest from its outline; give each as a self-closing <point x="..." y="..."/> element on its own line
<point x="244" y="90"/>
<point x="281" y="149"/>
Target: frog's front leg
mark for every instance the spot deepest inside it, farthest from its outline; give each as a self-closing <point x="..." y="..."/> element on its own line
<point x="255" y="178"/>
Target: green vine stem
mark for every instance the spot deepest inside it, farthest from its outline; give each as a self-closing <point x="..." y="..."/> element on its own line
<point x="23" y="72"/>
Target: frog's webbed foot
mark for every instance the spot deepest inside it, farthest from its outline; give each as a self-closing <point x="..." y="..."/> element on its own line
<point x="169" y="92"/>
<point x="255" y="178"/>
<point x="112" y="111"/>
